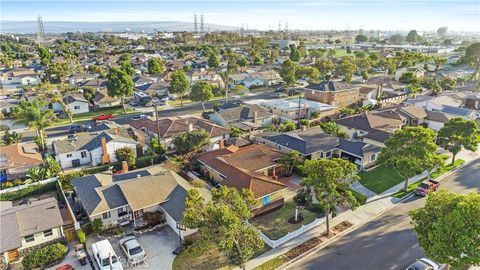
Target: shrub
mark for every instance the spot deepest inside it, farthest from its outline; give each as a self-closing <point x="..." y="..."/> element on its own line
<point x="147" y="161"/>
<point x="44" y="256"/>
<point x="303" y="197"/>
<point x="97" y="226"/>
<point x="81" y="236"/>
<point x="198" y="183"/>
<point x="27" y="191"/>
<point x="126" y="154"/>
<point x="317" y="208"/>
<point x="65" y="179"/>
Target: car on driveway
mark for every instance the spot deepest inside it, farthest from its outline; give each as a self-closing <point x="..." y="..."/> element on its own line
<point x="423" y="264"/>
<point x="105" y="256"/>
<point x="133" y="250"/>
<point x="79" y="128"/>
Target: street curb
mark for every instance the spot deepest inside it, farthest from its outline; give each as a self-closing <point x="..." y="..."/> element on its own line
<point x="356" y="226"/>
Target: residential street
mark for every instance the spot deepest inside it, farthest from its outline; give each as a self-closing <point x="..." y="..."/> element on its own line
<point x="387" y="242"/>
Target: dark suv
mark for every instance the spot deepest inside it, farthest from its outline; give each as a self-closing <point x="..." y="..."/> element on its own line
<point x="79" y="128"/>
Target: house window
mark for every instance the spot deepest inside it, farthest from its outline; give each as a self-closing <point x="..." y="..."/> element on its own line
<point x="106" y="215"/>
<point x="29" y="238"/>
<point x="47" y="233"/>
<point x="76" y="107"/>
<point x="222" y="176"/>
<point x="329" y="153"/>
<point x="84" y="154"/>
<point x="69" y="155"/>
<point x="266" y="200"/>
<point x="373" y="157"/>
<point x="122" y="211"/>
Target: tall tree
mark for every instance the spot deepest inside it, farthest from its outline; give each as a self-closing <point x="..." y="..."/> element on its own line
<point x="128" y="68"/>
<point x="295" y="54"/>
<point x="213" y="60"/>
<point x="290" y="160"/>
<point x="201" y="91"/>
<point x="125" y="154"/>
<point x="119" y="84"/>
<point x="325" y="66"/>
<point x="156" y="66"/>
<point x="331" y="179"/>
<point x="32" y="114"/>
<point x="179" y="84"/>
<point x="347" y="68"/>
<point x="410" y="151"/>
<point x="192" y="141"/>
<point x="442" y="31"/>
<point x="288" y="72"/>
<point x="58" y="71"/>
<point x="361" y="39"/>
<point x="458" y="132"/>
<point x="226" y="81"/>
<point x="223" y="222"/>
<point x="413" y="36"/>
<point x="89" y="93"/>
<point x="448" y="228"/>
<point x="45" y="56"/>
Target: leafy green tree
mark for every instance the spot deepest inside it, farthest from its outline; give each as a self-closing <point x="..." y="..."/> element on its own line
<point x="331" y="179"/>
<point x="213" y="60"/>
<point x="396" y="38"/>
<point x="330" y="127"/>
<point x="188" y="142"/>
<point x="243" y="62"/>
<point x="11" y="138"/>
<point x="361" y="39"/>
<point x="125" y="57"/>
<point x="442" y="31"/>
<point x="32" y="114"/>
<point x="45" y="56"/>
<point x="180" y="54"/>
<point x="295" y="54"/>
<point x="126" y="154"/>
<point x="347" y="68"/>
<point x="128" y="68"/>
<point x="58" y="71"/>
<point x="223" y="222"/>
<point x="413" y="36"/>
<point x="226" y="81"/>
<point x="458" y="132"/>
<point x="119" y="84"/>
<point x="325" y="67"/>
<point x="235" y="132"/>
<point x="410" y="151"/>
<point x="290" y="160"/>
<point x="472" y="54"/>
<point x="288" y="71"/>
<point x="448" y="228"/>
<point x="52" y="166"/>
<point x="408" y="77"/>
<point x="157" y="147"/>
<point x="257" y="60"/>
<point x="89" y="93"/>
<point x="155" y="66"/>
<point x="239" y="89"/>
<point x="448" y="84"/>
<point x="179" y="84"/>
<point x="201" y="91"/>
<point x="97" y="226"/>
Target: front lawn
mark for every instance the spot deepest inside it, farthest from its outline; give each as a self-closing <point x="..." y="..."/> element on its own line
<point x="89" y="116"/>
<point x="192" y="259"/>
<point x="275" y="225"/>
<point x="380" y="179"/>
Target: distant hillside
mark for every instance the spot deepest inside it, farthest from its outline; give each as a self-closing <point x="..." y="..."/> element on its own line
<point x="29" y="27"/>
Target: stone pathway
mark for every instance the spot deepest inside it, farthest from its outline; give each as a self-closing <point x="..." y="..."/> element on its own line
<point x="358" y="187"/>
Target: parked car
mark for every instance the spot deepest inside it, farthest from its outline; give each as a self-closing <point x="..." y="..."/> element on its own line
<point x="79" y="128"/>
<point x="102" y="117"/>
<point x="423" y="264"/>
<point x="133" y="250"/>
<point x="105" y="256"/>
<point x="165" y="99"/>
<point x="134" y="103"/>
<point x="426" y="187"/>
<point x="282" y="95"/>
<point x="138" y="117"/>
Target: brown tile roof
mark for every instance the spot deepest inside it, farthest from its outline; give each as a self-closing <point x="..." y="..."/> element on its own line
<point x="253" y="157"/>
<point x="365" y="90"/>
<point x="21" y="154"/>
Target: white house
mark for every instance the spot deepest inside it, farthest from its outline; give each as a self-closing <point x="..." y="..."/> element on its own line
<point x="252" y="82"/>
<point x="92" y="148"/>
<point x="76" y="102"/>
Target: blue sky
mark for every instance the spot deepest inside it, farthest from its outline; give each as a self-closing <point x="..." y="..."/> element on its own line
<point x="300" y="14"/>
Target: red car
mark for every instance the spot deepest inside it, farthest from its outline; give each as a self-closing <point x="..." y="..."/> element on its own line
<point x="103" y="117"/>
<point x="426" y="187"/>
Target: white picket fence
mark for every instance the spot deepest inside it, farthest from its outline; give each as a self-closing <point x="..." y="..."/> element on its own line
<point x="291" y="235"/>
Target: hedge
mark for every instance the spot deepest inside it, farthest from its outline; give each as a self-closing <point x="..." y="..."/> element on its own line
<point x="28" y="191"/>
<point x="44" y="256"/>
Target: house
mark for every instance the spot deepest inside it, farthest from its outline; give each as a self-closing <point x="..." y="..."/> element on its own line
<point x="142" y="80"/>
<point x="250" y="82"/>
<point x="103" y="100"/>
<point x="338" y="94"/>
<point x="79" y="78"/>
<point x="26" y="226"/>
<point x="203" y="75"/>
<point x="158" y="88"/>
<point x="288" y="109"/>
<point x="465" y="113"/>
<point x="75" y="102"/>
<point x="173" y="126"/>
<point x="269" y="77"/>
<point x="251" y="167"/>
<point x="16" y="159"/>
<point x="19" y="77"/>
<point x="472" y="101"/>
<point x="92" y="148"/>
<point x="126" y="198"/>
<point x="360" y="153"/>
<point x="244" y="116"/>
<point x="418" y="72"/>
<point x="431" y="103"/>
<point x="372" y="127"/>
<point x="368" y="94"/>
<point x="436" y="120"/>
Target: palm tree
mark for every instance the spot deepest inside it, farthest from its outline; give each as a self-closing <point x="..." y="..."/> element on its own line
<point x="32" y="114"/>
<point x="38" y="174"/>
<point x="226" y="80"/>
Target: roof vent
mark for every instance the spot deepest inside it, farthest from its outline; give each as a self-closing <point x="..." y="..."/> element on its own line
<point x="139" y="176"/>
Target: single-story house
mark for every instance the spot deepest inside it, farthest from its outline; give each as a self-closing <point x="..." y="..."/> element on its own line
<point x="103" y="100"/>
<point x="126" y="198"/>
<point x="79" y="78"/>
<point x="76" y="102"/>
<point x="244" y="113"/>
<point x="252" y="167"/>
<point x="28" y="225"/>
<point x="16" y="159"/>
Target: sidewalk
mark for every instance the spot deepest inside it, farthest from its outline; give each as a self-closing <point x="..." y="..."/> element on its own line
<point x="374" y="207"/>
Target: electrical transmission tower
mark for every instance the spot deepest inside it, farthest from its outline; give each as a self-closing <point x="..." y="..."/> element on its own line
<point x="195" y="23"/>
<point x="202" y="29"/>
<point x="41" y="30"/>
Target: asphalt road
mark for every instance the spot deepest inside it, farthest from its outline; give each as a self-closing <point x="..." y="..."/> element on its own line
<point x="188" y="109"/>
<point x="388" y="241"/>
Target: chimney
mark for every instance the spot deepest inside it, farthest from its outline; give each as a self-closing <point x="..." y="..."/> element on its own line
<point x="255" y="117"/>
<point x="221" y="143"/>
<point x="105" y="155"/>
<point x="190" y="127"/>
<point x="124" y="166"/>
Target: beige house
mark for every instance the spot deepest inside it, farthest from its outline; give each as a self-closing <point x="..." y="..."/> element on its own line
<point x="16" y="159"/>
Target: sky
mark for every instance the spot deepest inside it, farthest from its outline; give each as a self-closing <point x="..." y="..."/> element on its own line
<point x="459" y="15"/>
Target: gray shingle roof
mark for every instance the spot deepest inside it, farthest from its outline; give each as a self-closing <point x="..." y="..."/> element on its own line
<point x="175" y="204"/>
<point x="357" y="148"/>
<point x="91" y="141"/>
<point x="243" y="112"/>
<point x="307" y="141"/>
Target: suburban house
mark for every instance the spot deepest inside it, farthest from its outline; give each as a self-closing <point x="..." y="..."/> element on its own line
<point x="313" y="143"/>
<point x="244" y="116"/>
<point x="103" y="100"/>
<point x="94" y="148"/>
<point x="158" y="88"/>
<point x="16" y="159"/>
<point x="431" y="103"/>
<point x="122" y="199"/>
<point x="338" y="94"/>
<point x="79" y="78"/>
<point x="173" y="126"/>
<point x="251" y="167"/>
<point x="19" y="77"/>
<point x="368" y="94"/>
<point x="261" y="78"/>
<point x="288" y="109"/>
<point x="76" y="102"/>
<point x="372" y="127"/>
<point x="26" y="226"/>
<point x="203" y="75"/>
<point x="472" y="101"/>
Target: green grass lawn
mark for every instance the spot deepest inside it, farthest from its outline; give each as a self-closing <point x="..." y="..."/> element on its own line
<point x="272" y="264"/>
<point x="340" y="53"/>
<point x="88" y="116"/>
<point x="275" y="225"/>
<point x="380" y="179"/>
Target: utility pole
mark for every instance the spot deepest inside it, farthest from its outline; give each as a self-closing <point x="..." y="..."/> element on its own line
<point x="158" y="123"/>
<point x="299" y="108"/>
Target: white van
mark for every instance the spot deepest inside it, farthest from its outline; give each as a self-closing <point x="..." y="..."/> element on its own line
<point x="104" y="254"/>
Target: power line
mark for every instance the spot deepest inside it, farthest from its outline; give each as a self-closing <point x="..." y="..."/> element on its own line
<point x="202" y="29"/>
<point x="195" y="23"/>
<point x="41" y="30"/>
